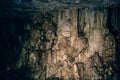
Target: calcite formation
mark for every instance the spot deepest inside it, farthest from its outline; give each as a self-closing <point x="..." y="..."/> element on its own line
<point x="70" y="44"/>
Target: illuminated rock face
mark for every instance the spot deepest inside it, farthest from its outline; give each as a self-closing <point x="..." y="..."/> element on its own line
<point x="56" y="51"/>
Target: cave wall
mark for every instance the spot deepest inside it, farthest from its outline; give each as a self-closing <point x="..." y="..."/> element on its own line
<point x="68" y="44"/>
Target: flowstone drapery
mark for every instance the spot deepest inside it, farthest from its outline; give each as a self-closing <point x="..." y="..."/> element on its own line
<point x="69" y="44"/>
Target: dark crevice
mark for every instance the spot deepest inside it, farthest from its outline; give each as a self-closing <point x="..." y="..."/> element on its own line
<point x="79" y="28"/>
<point x="12" y="37"/>
<point x="113" y="21"/>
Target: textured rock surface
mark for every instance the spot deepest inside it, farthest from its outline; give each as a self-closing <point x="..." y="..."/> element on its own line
<point x="58" y="40"/>
<point x="57" y="50"/>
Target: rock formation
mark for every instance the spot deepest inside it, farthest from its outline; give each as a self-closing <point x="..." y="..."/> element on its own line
<point x="69" y="43"/>
<point x="56" y="47"/>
